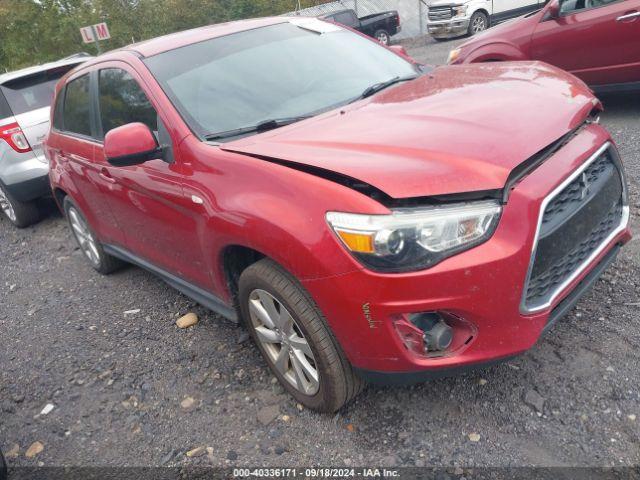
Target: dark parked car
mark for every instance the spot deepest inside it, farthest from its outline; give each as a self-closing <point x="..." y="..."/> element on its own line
<point x="381" y="26"/>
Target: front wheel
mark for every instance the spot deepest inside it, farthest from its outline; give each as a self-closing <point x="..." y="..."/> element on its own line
<point x="294" y="338"/>
<point x="479" y="23"/>
<point x="383" y="37"/>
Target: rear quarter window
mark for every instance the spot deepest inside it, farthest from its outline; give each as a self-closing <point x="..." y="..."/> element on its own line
<point x="77" y="106"/>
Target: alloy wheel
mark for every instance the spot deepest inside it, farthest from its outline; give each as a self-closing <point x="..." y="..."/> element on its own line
<point x="84" y="237"/>
<point x="479" y="25"/>
<point x="383" y="38"/>
<point x="283" y="341"/>
<point x="6" y="206"/>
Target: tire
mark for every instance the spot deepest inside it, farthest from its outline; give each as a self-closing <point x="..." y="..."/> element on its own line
<point x="337" y="383"/>
<point x="20" y="214"/>
<point x="479" y="23"/>
<point x="382" y="36"/>
<point x="87" y="240"/>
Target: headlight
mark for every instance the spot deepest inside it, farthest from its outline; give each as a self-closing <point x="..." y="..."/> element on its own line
<point x="460" y="11"/>
<point x="454" y="55"/>
<point x="414" y="239"/>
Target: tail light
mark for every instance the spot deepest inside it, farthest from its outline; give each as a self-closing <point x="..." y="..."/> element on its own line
<point x="398" y="19"/>
<point x="12" y="134"/>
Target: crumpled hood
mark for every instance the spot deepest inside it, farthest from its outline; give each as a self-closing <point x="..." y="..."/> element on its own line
<point x="458" y="129"/>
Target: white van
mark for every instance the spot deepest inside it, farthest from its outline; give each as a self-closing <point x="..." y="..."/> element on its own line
<point x="451" y="18"/>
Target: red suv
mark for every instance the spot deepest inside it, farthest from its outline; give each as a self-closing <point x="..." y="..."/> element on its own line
<point x="596" y="40"/>
<point x="364" y="217"/>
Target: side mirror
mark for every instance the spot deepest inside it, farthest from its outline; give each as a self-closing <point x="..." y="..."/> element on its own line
<point x="553" y="10"/>
<point x="400" y="50"/>
<point x="131" y="144"/>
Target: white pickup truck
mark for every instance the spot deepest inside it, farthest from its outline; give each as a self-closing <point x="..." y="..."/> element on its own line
<point x="451" y="18"/>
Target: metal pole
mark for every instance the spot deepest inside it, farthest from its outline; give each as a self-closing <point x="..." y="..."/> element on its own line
<point x="95" y="38"/>
<point x="421" y="15"/>
<point x="355" y="7"/>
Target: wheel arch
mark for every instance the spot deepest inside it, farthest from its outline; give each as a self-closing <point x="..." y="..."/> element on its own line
<point x="235" y="259"/>
<point x="495" y="52"/>
<point x="59" y="195"/>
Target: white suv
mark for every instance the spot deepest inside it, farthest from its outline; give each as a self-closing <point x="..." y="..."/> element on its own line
<point x="453" y="18"/>
<point x="25" y="100"/>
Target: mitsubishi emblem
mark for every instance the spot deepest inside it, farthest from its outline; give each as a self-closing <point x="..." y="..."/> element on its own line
<point x="584" y="186"/>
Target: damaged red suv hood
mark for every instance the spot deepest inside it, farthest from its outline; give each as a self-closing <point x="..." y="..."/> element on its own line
<point x="458" y="129"/>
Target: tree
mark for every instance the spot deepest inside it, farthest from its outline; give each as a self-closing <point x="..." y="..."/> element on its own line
<point x="37" y="31"/>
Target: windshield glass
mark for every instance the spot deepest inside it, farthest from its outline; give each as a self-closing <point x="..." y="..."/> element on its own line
<point x="274" y="72"/>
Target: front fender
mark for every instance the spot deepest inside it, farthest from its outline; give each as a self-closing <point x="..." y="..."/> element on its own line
<point x="276" y="210"/>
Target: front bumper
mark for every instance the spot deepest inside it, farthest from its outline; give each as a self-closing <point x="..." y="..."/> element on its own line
<point x="448" y="28"/>
<point x="483" y="286"/>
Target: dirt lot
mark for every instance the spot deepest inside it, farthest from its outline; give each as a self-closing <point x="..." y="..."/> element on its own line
<point x="118" y="381"/>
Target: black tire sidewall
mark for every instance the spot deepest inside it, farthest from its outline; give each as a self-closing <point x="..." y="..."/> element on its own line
<point x="324" y="397"/>
<point x="27" y="213"/>
<point x="384" y="32"/>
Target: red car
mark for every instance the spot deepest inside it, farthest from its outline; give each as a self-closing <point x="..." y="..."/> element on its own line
<point x="596" y="40"/>
<point x="365" y="219"/>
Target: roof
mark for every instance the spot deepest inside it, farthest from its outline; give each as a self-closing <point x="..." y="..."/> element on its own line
<point x="25" y="72"/>
<point x="172" y="41"/>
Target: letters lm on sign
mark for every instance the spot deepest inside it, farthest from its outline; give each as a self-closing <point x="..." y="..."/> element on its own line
<point x="99" y="31"/>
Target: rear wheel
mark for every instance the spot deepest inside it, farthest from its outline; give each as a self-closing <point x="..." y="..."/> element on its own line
<point x="294" y="339"/>
<point x="479" y="23"/>
<point x="87" y="241"/>
<point x="21" y="214"/>
<point x="383" y="37"/>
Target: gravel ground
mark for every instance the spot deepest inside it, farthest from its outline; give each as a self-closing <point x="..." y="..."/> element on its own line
<point x="132" y="389"/>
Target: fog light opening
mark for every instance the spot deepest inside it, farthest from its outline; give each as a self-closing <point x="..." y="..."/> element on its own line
<point x="438" y="335"/>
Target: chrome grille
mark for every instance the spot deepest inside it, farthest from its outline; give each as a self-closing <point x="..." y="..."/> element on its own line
<point x="578" y="220"/>
<point x="437" y="14"/>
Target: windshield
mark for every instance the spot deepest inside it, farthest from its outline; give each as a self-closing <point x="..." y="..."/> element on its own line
<point x="275" y="72"/>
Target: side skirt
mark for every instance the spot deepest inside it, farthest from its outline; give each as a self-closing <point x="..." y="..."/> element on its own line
<point x="201" y="296"/>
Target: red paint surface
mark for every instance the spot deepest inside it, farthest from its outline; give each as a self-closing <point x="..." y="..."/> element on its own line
<point x="461" y="129"/>
<point x="591" y="44"/>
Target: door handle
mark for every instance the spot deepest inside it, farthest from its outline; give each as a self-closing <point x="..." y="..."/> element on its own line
<point x="628" y="16"/>
<point x="106" y="176"/>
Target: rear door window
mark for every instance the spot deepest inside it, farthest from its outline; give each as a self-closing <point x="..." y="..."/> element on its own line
<point x="77" y="106"/>
<point x="123" y="101"/>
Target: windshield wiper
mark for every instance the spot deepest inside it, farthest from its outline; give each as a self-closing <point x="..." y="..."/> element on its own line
<point x="378" y="87"/>
<point x="263" y="126"/>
